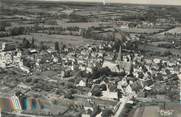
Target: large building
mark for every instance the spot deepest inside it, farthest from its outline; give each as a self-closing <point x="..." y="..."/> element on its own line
<point x="9" y="55"/>
<point x="124" y="62"/>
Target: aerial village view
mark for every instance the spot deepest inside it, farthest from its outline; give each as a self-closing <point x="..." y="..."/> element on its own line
<point x="76" y="59"/>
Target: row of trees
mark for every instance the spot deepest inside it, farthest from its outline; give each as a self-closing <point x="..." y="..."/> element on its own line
<point x="42" y="46"/>
<point x="27" y="30"/>
<point x="3" y="25"/>
<point x="31" y="44"/>
<point x="78" y="18"/>
<point x="59" y="28"/>
<point x="17" y="31"/>
<point x="36" y="28"/>
<point x="91" y="33"/>
<point x="27" y="44"/>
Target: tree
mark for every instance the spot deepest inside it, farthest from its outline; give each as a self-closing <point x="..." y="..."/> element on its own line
<point x="42" y="46"/>
<point x="70" y="85"/>
<point x="167" y="53"/>
<point x="117" y="45"/>
<point x="17" y="30"/>
<point x="103" y="87"/>
<point x="144" y="68"/>
<point x="140" y="75"/>
<point x="100" y="72"/>
<point x="57" y="48"/>
<point x="96" y="111"/>
<point x="96" y="91"/>
<point x="26" y="43"/>
<point x="33" y="43"/>
<point x="68" y="95"/>
<point x="2" y="27"/>
<point x="107" y="113"/>
<point x="63" y="46"/>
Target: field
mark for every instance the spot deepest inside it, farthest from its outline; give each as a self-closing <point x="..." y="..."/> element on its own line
<point x="159" y="42"/>
<point x="172" y="31"/>
<point x="159" y="49"/>
<point x="92" y="11"/>
<point x="140" y="30"/>
<point x="80" y="24"/>
<point x="51" y="39"/>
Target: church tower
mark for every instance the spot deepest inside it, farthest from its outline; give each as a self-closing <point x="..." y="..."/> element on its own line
<point x="120" y="56"/>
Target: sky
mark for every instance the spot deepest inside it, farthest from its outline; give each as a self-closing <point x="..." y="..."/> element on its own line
<point x="165" y="2"/>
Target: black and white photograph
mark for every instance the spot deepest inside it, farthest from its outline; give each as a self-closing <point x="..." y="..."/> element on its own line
<point x="90" y="58"/>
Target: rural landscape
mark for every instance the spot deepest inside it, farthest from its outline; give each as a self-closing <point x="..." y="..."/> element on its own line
<point x="89" y="59"/>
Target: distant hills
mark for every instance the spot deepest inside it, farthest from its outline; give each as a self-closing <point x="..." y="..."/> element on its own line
<point x="150" y="2"/>
<point x="159" y="2"/>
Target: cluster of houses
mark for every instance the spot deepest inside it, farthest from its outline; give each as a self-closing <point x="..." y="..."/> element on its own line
<point x="85" y="58"/>
<point x="10" y="56"/>
<point x="134" y="72"/>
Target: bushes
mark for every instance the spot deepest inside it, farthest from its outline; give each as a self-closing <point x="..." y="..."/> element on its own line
<point x="17" y="31"/>
<point x="69" y="95"/>
<point x="107" y="113"/>
<point x="26" y="43"/>
<point x="57" y="48"/>
<point x="96" y="91"/>
<point x="167" y="53"/>
<point x="51" y="22"/>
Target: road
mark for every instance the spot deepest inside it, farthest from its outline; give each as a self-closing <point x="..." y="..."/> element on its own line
<point x="123" y="102"/>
